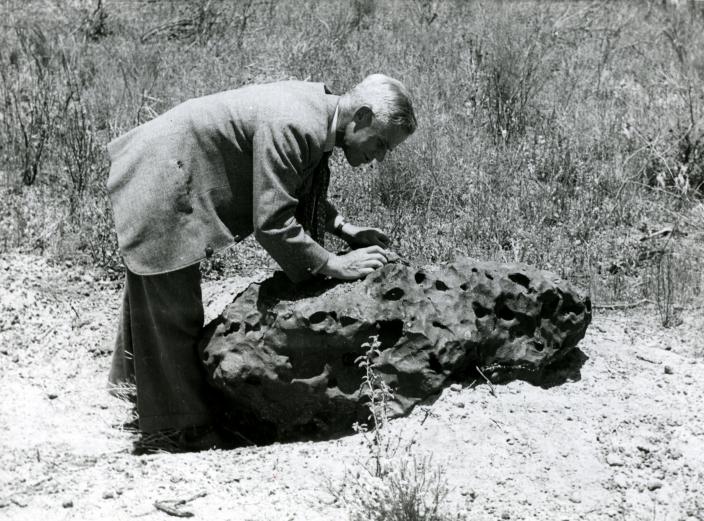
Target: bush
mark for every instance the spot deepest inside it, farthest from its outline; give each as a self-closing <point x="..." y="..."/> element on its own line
<point x="544" y="130"/>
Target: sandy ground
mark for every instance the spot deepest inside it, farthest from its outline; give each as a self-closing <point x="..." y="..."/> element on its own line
<point x="623" y="439"/>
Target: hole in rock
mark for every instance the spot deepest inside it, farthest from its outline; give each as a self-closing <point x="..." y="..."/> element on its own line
<point x="420" y="277"/>
<point x="434" y="364"/>
<point x="252" y="327"/>
<point x="440" y="325"/>
<point x="347" y="321"/>
<point x="253" y="379"/>
<point x="234" y="327"/>
<point x="479" y="310"/>
<point x="332" y="382"/>
<point x="394" y="294"/>
<point x="549" y="302"/>
<point x="389" y="332"/>
<point x="489" y="275"/>
<point x="520" y="279"/>
<point x="504" y="312"/>
<point x="317" y="317"/>
<point x="349" y="358"/>
<point x="464" y="286"/>
<point x="538" y="344"/>
<point x="441" y="286"/>
<point x="569" y="305"/>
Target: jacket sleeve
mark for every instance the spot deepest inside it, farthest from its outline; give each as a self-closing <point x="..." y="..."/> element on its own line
<point x="279" y="156"/>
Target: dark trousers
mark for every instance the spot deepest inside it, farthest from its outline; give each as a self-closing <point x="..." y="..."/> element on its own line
<point x="156" y="349"/>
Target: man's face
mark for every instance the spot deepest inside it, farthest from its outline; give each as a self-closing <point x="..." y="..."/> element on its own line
<point x="365" y="139"/>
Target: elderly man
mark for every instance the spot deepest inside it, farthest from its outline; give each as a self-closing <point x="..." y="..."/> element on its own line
<point x="205" y="175"/>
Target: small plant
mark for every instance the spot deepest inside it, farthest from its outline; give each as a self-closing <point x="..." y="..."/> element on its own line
<point x="31" y="100"/>
<point x="514" y="69"/>
<point x="379" y="394"/>
<point x="94" y="23"/>
<point x="408" y="488"/>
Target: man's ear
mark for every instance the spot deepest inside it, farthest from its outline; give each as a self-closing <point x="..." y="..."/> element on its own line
<point x="363" y="117"/>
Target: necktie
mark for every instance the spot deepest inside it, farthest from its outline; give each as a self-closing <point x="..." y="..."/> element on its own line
<point x="311" y="206"/>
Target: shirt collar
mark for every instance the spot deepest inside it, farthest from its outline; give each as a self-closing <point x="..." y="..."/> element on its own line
<point x="332" y="130"/>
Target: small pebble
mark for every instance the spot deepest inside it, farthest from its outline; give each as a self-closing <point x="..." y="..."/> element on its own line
<point x="505" y="515"/>
<point x="459" y="404"/>
<point x="575" y="499"/>
<point x="456" y="387"/>
<point x="668" y="369"/>
<point x="67" y="504"/>
<point x="620" y="481"/>
<point x="654" y="484"/>
<point x="614" y="460"/>
<point x="469" y="492"/>
<point x="52" y="396"/>
<point x="108" y="495"/>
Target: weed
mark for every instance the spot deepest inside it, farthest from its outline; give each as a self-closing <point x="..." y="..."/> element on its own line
<point x="31" y="99"/>
<point x="392" y="487"/>
<point x="549" y="132"/>
<point x="94" y="23"/>
<point x="378" y="394"/>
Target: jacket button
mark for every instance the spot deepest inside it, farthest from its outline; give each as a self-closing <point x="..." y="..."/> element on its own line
<point x="208" y="251"/>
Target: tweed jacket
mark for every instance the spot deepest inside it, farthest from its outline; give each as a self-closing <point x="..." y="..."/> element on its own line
<point x="214" y="169"/>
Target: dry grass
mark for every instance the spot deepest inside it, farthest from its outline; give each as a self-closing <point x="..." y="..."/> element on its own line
<point x="557" y="134"/>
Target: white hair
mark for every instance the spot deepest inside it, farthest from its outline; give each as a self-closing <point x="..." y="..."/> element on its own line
<point x="388" y="99"/>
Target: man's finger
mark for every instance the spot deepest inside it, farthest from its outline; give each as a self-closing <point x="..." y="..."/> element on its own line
<point x="375" y="249"/>
<point x="378" y="256"/>
<point x="374" y="263"/>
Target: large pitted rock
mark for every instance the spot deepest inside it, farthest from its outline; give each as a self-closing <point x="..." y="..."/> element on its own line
<point x="284" y="355"/>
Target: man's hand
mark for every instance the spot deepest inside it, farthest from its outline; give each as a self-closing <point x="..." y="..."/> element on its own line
<point x="358" y="237"/>
<point x="355" y="264"/>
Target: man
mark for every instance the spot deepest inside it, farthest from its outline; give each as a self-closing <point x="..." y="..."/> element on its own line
<point x="206" y="174"/>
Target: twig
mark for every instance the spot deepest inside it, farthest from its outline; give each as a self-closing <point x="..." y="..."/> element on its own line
<point x="498" y="425"/>
<point x="491" y="386"/>
<point x="623" y="305"/>
<point x="641" y="357"/>
<point x="19" y="502"/>
<point x="427" y="414"/>
<point x="171" y="506"/>
<point x="659" y="233"/>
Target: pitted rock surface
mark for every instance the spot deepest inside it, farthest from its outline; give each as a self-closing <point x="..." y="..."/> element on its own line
<point x="284" y="355"/>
